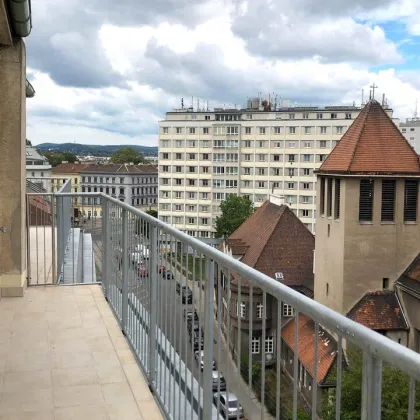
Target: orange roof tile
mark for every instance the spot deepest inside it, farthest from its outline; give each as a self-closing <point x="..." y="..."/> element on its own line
<point x="373" y="144"/>
<point x="69" y="168"/>
<point x="379" y="311"/>
<point x="327" y="346"/>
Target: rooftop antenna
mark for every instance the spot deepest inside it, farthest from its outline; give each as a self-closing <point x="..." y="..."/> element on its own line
<point x="208" y="105"/>
<point x="363" y="96"/>
<point x="383" y="99"/>
<point x="192" y="102"/>
<point x="415" y="109"/>
<point x="182" y="103"/>
<point x="198" y="104"/>
<point x="373" y="90"/>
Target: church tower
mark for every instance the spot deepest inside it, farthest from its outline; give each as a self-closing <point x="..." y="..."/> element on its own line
<point x="367" y="227"/>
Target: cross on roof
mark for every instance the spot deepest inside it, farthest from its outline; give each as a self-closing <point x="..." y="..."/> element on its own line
<point x="373" y="87"/>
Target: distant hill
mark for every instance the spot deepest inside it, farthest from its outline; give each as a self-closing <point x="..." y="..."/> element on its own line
<point x="93" y="150"/>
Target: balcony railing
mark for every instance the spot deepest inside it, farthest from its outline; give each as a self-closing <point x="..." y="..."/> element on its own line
<point x="174" y="297"/>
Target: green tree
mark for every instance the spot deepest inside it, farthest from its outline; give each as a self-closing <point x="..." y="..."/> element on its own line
<point x="127" y="155"/>
<point x="69" y="157"/>
<point x="395" y="390"/>
<point x="28" y="142"/>
<point x="54" y="158"/>
<point x="153" y="213"/>
<point x="235" y="210"/>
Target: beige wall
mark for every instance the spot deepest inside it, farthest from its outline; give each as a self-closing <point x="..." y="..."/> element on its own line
<point x="356" y="257"/>
<point x="411" y="310"/>
<point x="12" y="164"/>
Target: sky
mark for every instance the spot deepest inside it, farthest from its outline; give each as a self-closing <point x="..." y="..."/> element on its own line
<point x="106" y="71"/>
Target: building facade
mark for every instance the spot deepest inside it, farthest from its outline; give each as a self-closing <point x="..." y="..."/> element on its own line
<point x="411" y="131"/>
<point x="206" y="155"/>
<point x="136" y="185"/>
<point x="38" y="168"/>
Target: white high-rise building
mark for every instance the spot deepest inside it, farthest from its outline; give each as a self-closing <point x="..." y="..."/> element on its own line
<point x="206" y="155"/>
<point x="411" y="131"/>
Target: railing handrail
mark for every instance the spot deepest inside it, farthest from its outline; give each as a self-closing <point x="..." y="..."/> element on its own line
<point x="377" y="345"/>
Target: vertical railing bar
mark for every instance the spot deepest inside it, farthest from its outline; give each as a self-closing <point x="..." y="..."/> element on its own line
<point x="124" y="245"/>
<point x="200" y="296"/>
<point x="187" y="265"/>
<point x="339" y="374"/>
<point x="238" y="312"/>
<point x="251" y="315"/>
<point x="181" y="282"/>
<point x="37" y="244"/>
<point x="53" y="236"/>
<point x="278" y="359"/>
<point x="263" y="354"/>
<point x="167" y="301"/>
<point x="376" y="389"/>
<point x="219" y="324"/>
<point x="296" y="366"/>
<point x="45" y="247"/>
<point x="28" y="240"/>
<point x="411" y="398"/>
<point x="194" y="287"/>
<point x="174" y="337"/>
<point x="315" y="377"/>
<point x="208" y="341"/>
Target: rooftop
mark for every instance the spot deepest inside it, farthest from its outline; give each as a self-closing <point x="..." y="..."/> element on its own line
<point x="327" y="346"/>
<point x="411" y="277"/>
<point x="274" y="240"/>
<point x="121" y="168"/>
<point x="379" y="311"/>
<point x="373" y="144"/>
<point x="63" y="356"/>
<point x="69" y="168"/>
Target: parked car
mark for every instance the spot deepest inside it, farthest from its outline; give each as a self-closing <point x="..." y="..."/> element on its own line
<point x="187" y="296"/>
<point x="193" y="326"/>
<point x="142" y="271"/>
<point x="167" y="275"/>
<point x="217" y="378"/>
<point x="197" y="340"/>
<point x="199" y="358"/>
<point x="229" y="404"/>
<point x="180" y="287"/>
<point x="190" y="315"/>
<point x="162" y="270"/>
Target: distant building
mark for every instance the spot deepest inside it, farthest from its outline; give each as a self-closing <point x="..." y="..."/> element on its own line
<point x="275" y="242"/>
<point x="132" y="184"/>
<point x="37" y="166"/>
<point x="411" y="131"/>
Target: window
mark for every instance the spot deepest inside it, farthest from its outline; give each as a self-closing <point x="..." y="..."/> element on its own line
<point x="242" y="309"/>
<point x="277" y="130"/>
<point x="291" y="145"/>
<point x="385" y="283"/>
<point x="165" y="130"/>
<point x="307" y="130"/>
<point x="329" y="197"/>
<point x="323" y="144"/>
<point x="262" y="144"/>
<point x="249" y="116"/>
<point x="305" y="199"/>
<point x="348" y="116"/>
<point x="255" y="345"/>
<point x="247" y="171"/>
<point x="306" y="116"/>
<point x="207" y="117"/>
<point x="260" y="312"/>
<point x="248" y="143"/>
<point x="206" y="156"/>
<point x="204" y="221"/>
<point x="205" y="182"/>
<point x="276" y="158"/>
<point x="319" y="116"/>
<point x="306" y="172"/>
<point x="404" y="130"/>
<point x="191" y="182"/>
<point x="191" y="156"/>
<point x="292" y="130"/>
<point x="366" y="200"/>
<point x="287" y="310"/>
<point x="179" y="130"/>
<point x="291" y="158"/>
<point x="323" y="130"/>
<point x="205" y="130"/>
<point x="337" y="199"/>
<point x="306" y="158"/>
<point x="322" y="196"/>
<point x="191" y="195"/>
<point x="305" y="213"/>
<point x="178" y="207"/>
<point x="191" y="220"/>
<point x="261" y="184"/>
<point x="306" y="185"/>
<point x="261" y="158"/>
<point x="178" y="143"/>
<point x="412" y="129"/>
<point x="410" y="200"/>
<point x="262" y="130"/>
<point x="276" y="172"/>
<point x="388" y="200"/>
<point x="192" y="130"/>
<point x="269" y="345"/>
<point x="261" y="171"/>
<point x="247" y="157"/>
<point x="247" y="130"/>
<point x="291" y="171"/>
<point x="339" y="130"/>
<point x="291" y="185"/>
<point x="291" y="116"/>
<point x="247" y="184"/>
<point x="232" y="131"/>
<point x="277" y="144"/>
<point x="333" y="116"/>
<point x="178" y="181"/>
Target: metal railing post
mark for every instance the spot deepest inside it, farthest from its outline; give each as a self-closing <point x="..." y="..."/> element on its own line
<point x="208" y="342"/>
<point x="153" y="250"/>
<point x="28" y="241"/>
<point x="371" y="387"/>
<point x="125" y="267"/>
<point x="60" y="236"/>
<point x="105" y="246"/>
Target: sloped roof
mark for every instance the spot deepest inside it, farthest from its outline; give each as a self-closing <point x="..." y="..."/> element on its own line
<point x="379" y="311"/>
<point x="69" y="168"/>
<point x="411" y="277"/>
<point x="121" y="168"/>
<point x="327" y="346"/>
<point x="274" y="240"/>
<point x="373" y="144"/>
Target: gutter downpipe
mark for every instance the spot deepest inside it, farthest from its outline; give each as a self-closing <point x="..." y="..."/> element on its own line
<point x="20" y="16"/>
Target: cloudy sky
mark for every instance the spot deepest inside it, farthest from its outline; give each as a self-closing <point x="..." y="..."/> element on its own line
<point x="106" y="71"/>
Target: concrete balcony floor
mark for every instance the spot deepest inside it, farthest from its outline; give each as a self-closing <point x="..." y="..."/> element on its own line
<point x="63" y="356"/>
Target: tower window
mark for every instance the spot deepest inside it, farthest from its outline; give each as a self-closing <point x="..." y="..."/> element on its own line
<point x="388" y="200"/>
<point x="366" y="200"/>
<point x="337" y="199"/>
<point x="322" y="196"/>
<point x="385" y="283"/>
<point x="410" y="200"/>
<point x="327" y="289"/>
<point x="329" y="197"/>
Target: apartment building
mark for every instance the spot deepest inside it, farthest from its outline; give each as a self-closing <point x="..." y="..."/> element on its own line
<point x="411" y="131"/>
<point x="206" y="155"/>
<point x="132" y="184"/>
<point x="37" y="166"/>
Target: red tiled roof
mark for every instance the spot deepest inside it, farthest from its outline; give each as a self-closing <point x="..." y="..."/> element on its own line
<point x="379" y="311"/>
<point x="327" y="346"/>
<point x="372" y="145"/>
<point x="69" y="168"/>
<point x="121" y="168"/>
<point x="274" y="240"/>
<point x="411" y="277"/>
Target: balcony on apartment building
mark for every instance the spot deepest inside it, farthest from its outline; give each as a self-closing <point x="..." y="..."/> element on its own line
<point x="120" y="304"/>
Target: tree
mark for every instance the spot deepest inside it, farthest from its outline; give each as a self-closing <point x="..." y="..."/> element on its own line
<point x="127" y="155"/>
<point x="153" y="213"/>
<point x="55" y="158"/>
<point x="395" y="390"/>
<point x="28" y="143"/>
<point x="235" y="210"/>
